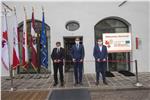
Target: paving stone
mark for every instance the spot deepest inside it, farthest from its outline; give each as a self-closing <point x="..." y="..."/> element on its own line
<point x="46" y="81"/>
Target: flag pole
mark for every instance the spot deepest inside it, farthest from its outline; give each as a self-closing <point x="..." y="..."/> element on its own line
<point x="38" y="76"/>
<point x="38" y="53"/>
<point x="10" y="68"/>
<point x="17" y="37"/>
<point x="45" y="34"/>
<point x="27" y="47"/>
<point x="42" y="9"/>
<point x="15" y="15"/>
<point x="13" y="40"/>
<point x="44" y="27"/>
<point x="31" y="37"/>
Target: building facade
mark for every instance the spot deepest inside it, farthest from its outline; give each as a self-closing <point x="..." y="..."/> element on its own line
<point x="89" y="20"/>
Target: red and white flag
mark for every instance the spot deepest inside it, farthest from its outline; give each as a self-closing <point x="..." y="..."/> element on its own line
<point x="33" y="45"/>
<point x="24" y="44"/>
<point x="5" y="52"/>
<point x="16" y="60"/>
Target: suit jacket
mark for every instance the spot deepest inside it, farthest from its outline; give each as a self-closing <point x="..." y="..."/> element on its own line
<point x="77" y="53"/>
<point x="100" y="55"/>
<point x="60" y="55"/>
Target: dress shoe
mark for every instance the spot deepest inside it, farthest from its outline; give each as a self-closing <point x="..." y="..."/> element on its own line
<point x="105" y="83"/>
<point x="97" y="83"/>
<point x="80" y="83"/>
<point x="76" y="83"/>
<point x="55" y="84"/>
<point x="62" y="84"/>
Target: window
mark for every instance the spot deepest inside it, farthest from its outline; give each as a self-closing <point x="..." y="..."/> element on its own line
<point x="110" y="25"/>
<point x="72" y="25"/>
<point x="38" y="29"/>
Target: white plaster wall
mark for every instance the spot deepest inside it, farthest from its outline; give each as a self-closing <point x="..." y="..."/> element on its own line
<point x="57" y="14"/>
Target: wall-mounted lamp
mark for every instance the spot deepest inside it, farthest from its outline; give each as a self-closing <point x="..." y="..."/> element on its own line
<point x="122" y="3"/>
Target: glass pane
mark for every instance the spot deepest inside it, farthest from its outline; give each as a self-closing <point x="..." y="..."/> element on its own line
<point x="115" y="23"/>
<point x="99" y="32"/>
<point x="111" y="23"/>
<point x="121" y="30"/>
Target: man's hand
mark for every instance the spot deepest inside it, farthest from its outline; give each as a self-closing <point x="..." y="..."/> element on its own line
<point x="55" y="61"/>
<point x="81" y="60"/>
<point x="98" y="60"/>
<point x="104" y="59"/>
<point x="73" y="60"/>
<point x="58" y="60"/>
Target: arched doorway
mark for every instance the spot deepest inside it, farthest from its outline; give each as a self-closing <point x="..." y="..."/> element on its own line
<point x="38" y="29"/>
<point x="114" y="25"/>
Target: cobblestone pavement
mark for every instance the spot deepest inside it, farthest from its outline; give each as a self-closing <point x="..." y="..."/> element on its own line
<point x="119" y="87"/>
<point x="121" y="95"/>
<point x="24" y="95"/>
<point x="131" y="94"/>
<point x="118" y="82"/>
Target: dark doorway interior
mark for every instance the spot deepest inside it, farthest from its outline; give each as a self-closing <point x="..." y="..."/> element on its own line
<point x="68" y="43"/>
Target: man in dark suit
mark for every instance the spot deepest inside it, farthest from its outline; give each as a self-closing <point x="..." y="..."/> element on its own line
<point x="100" y="54"/>
<point x="77" y="53"/>
<point x="58" y="57"/>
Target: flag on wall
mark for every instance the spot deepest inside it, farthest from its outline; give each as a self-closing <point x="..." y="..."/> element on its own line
<point x="33" y="45"/>
<point x="43" y="49"/>
<point x="24" y="44"/>
<point x="16" y="60"/>
<point x="5" y="52"/>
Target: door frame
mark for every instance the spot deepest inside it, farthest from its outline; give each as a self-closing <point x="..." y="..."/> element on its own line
<point x="128" y="54"/>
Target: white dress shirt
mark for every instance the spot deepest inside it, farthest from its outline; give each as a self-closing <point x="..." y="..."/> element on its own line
<point x="100" y="48"/>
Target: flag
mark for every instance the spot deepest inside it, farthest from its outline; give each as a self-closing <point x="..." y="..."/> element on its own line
<point x="43" y="49"/>
<point x="16" y="60"/>
<point x="5" y="52"/>
<point x="33" y="45"/>
<point x="24" y="44"/>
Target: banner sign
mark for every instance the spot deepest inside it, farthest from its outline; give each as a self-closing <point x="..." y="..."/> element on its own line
<point x="117" y="42"/>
